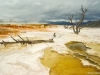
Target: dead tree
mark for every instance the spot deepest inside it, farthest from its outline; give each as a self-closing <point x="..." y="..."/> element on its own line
<point x="22" y="39"/>
<point x="54" y="35"/>
<point x="65" y="26"/>
<point x="26" y="41"/>
<point x="76" y="27"/>
<point x="14" y="39"/>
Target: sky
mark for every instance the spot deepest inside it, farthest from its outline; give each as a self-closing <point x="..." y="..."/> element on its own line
<point x="39" y="11"/>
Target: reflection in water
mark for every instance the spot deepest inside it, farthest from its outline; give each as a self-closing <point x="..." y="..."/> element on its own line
<point x="65" y="64"/>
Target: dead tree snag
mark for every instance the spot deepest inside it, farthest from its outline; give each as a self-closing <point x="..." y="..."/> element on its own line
<point x="76" y="26"/>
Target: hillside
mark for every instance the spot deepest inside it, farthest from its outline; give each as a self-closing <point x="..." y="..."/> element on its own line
<point x="84" y="24"/>
<point x="93" y="24"/>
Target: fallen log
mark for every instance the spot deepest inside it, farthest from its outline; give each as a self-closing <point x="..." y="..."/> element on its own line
<point x="27" y="39"/>
<point x="28" y="42"/>
<point x="21" y="38"/>
<point x="14" y="39"/>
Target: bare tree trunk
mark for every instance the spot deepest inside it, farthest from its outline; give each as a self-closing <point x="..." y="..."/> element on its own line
<point x="77" y="28"/>
<point x="74" y="28"/>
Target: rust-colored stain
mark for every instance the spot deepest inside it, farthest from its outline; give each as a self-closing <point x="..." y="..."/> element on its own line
<point x="15" y="29"/>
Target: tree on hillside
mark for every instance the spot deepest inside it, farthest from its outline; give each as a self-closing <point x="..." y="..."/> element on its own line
<point x="76" y="26"/>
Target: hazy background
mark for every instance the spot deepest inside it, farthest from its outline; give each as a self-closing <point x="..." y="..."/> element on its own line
<point x="39" y="11"/>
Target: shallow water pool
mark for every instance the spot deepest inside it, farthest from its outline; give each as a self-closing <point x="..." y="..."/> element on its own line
<point x="60" y="64"/>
